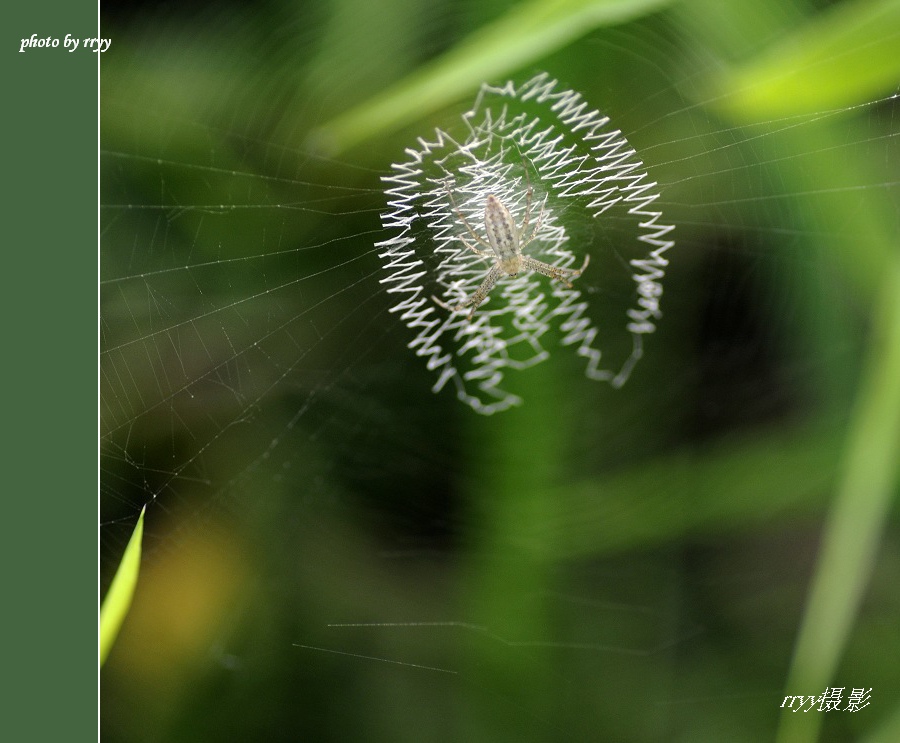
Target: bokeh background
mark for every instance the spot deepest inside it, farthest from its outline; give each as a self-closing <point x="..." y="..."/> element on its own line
<point x="334" y="553"/>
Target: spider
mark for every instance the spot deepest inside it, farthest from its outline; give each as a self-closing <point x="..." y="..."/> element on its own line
<point x="506" y="242"/>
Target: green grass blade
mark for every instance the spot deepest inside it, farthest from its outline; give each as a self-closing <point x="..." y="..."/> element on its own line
<point x="118" y="600"/>
<point x="527" y="32"/>
<point x="856" y="521"/>
<point x="846" y="56"/>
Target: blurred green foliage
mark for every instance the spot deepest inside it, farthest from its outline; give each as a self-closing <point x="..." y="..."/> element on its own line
<point x="627" y="565"/>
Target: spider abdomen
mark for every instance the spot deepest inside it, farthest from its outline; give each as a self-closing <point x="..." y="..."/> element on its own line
<point x="502" y="234"/>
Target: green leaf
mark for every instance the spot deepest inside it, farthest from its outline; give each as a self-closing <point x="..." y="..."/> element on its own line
<point x="528" y="31"/>
<point x="118" y="600"/>
<point x="846" y="56"/>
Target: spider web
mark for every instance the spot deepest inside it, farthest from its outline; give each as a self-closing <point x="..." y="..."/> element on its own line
<point x="327" y="523"/>
<point x="589" y="169"/>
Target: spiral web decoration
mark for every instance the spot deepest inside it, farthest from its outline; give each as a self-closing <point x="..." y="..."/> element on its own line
<point x="593" y="197"/>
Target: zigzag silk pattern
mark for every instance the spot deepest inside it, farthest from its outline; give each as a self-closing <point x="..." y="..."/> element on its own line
<point x="590" y="194"/>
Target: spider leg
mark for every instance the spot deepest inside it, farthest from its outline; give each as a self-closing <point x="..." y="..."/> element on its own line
<point x="527" y="239"/>
<point x="482" y="291"/>
<point x="563" y="275"/>
<point x="459" y="214"/>
<point x="482" y="253"/>
<point x="529" y="195"/>
<point x="529" y="192"/>
<point x="478" y="297"/>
